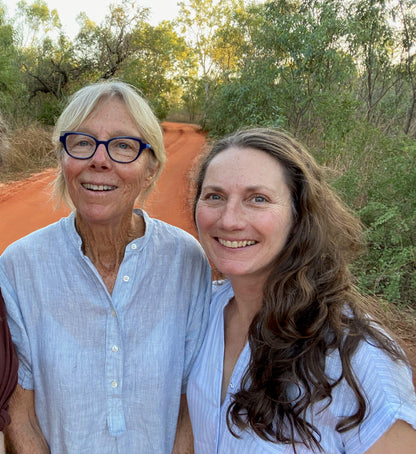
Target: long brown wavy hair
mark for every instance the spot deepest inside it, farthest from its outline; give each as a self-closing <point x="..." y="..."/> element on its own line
<point x="311" y="306"/>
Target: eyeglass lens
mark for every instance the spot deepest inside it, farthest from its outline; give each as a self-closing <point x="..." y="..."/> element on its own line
<point x="119" y="148"/>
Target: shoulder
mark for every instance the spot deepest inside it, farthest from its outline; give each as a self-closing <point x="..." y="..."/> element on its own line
<point x="388" y="391"/>
<point x="371" y="364"/>
<point x="169" y="236"/>
<point x="171" y="230"/>
<point x="386" y="386"/>
<point x="386" y="383"/>
<point x="170" y="248"/>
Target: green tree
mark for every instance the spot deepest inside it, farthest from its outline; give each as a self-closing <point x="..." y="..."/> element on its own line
<point x="206" y="26"/>
<point x="291" y="69"/>
<point x="407" y="17"/>
<point x="371" y="41"/>
<point x="34" y="22"/>
<point x="108" y="47"/>
<point x="49" y="70"/>
<point x="10" y="80"/>
<point x="45" y="58"/>
<point x="160" y="60"/>
<point x="7" y="47"/>
<point x="128" y="47"/>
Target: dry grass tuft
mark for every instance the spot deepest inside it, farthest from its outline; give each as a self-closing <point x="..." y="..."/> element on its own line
<point x="402" y="322"/>
<point x="29" y="150"/>
<point x="3" y="138"/>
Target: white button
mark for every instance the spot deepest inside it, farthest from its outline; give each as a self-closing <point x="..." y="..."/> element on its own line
<point x="126" y="278"/>
<point x="114" y="313"/>
<point x="133" y="246"/>
<point x="232" y="385"/>
<point x="114" y="348"/>
<point x="114" y="384"/>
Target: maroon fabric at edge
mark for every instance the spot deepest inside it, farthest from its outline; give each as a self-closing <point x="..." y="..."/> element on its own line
<point x="8" y="366"/>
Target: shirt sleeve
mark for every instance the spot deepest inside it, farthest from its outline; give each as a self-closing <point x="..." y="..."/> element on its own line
<point x="18" y="332"/>
<point x="389" y="393"/>
<point x="8" y="366"/>
<point x="198" y="314"/>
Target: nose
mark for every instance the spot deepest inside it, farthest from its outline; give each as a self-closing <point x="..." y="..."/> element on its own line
<point x="100" y="159"/>
<point x="232" y="216"/>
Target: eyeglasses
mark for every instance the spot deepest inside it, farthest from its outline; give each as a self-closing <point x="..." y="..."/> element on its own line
<point x="120" y="149"/>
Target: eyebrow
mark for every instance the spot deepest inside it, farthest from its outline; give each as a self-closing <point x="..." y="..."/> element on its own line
<point x="249" y="188"/>
<point x="211" y="188"/>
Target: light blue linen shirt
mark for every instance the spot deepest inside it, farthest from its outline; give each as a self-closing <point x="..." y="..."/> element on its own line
<point x="107" y="370"/>
<point x="387" y="385"/>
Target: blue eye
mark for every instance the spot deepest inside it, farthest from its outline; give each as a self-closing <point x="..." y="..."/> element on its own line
<point x="210" y="197"/>
<point x="259" y="198"/>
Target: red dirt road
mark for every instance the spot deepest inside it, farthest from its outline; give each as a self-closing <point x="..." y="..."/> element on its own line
<point x="26" y="205"/>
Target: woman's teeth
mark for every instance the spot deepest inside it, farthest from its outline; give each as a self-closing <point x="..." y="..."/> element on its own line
<point x="96" y="187"/>
<point x="236" y="244"/>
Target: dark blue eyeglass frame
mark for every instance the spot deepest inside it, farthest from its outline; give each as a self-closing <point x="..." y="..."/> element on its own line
<point x="143" y="145"/>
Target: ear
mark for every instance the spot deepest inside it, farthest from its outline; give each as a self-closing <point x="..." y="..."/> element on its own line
<point x="151" y="172"/>
<point x="150" y="177"/>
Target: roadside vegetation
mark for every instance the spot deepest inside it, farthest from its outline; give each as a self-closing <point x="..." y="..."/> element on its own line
<point x="339" y="75"/>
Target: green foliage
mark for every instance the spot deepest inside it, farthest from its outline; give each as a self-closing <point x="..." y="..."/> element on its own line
<point x="164" y="56"/>
<point x="380" y="184"/>
<point x="35" y="21"/>
<point x="388" y="269"/>
<point x="238" y="104"/>
<point x="10" y="78"/>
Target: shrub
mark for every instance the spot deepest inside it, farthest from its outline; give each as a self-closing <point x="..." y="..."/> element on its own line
<point x="379" y="182"/>
<point x="388" y="267"/>
<point x="30" y="149"/>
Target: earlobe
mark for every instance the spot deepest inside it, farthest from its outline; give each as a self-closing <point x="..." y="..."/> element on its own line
<point x="151" y="173"/>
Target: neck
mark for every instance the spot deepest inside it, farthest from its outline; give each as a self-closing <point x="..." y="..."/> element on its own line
<point x="248" y="297"/>
<point x="104" y="244"/>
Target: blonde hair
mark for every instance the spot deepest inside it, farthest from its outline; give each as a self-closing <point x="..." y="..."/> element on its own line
<point x="82" y="104"/>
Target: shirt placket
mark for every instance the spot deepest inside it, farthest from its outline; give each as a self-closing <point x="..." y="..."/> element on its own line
<point x="233" y="387"/>
<point x="115" y="349"/>
<point x="114" y="375"/>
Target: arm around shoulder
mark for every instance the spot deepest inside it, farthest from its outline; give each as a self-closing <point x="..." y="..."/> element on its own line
<point x="399" y="439"/>
<point x="24" y="435"/>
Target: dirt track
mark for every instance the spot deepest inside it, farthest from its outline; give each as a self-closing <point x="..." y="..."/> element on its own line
<point x="26" y="205"/>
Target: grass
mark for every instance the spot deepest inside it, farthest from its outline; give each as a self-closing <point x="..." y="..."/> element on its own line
<point x="24" y="151"/>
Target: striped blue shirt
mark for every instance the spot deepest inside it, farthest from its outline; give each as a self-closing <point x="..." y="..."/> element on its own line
<point x="387" y="385"/>
<point x="107" y="370"/>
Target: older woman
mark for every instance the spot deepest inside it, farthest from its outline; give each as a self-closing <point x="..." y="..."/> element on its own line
<point x="293" y="360"/>
<point x="107" y="307"/>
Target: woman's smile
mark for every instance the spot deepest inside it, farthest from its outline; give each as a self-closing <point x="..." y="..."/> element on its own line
<point x="98" y="187"/>
<point x="236" y="244"/>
